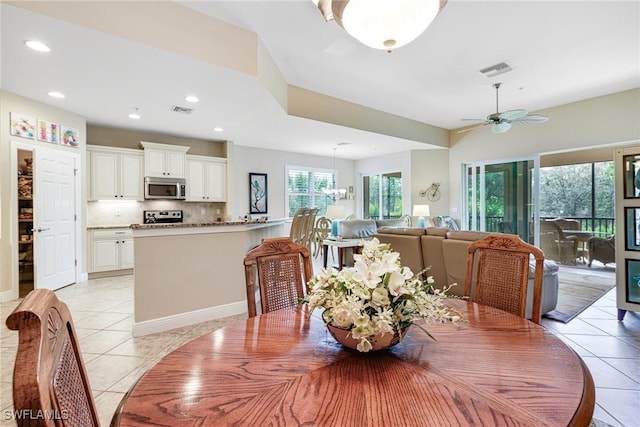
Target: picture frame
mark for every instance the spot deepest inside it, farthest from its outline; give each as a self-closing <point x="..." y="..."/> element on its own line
<point x="48" y="131"/>
<point x="632" y="237"/>
<point x="23" y="126"/>
<point x="70" y="137"/>
<point x="633" y="281"/>
<point x="631" y="180"/>
<point x="258" y="195"/>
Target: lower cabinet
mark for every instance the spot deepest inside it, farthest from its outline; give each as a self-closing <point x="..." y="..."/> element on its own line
<point x="111" y="249"/>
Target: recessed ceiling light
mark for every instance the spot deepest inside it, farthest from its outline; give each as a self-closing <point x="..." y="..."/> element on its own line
<point x="218" y="129"/>
<point x="191" y="98"/>
<point x="135" y="114"/>
<point x="36" y="45"/>
<point x="56" y="94"/>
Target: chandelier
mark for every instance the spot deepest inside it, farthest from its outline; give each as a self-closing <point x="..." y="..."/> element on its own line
<point x="382" y="24"/>
<point x="334" y="193"/>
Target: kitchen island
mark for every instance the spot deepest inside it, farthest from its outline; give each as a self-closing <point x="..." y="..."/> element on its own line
<point x="190" y="273"/>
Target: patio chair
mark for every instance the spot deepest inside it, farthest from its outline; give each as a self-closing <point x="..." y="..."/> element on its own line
<point x="556" y="245"/>
<point x="498" y="267"/>
<point x="281" y="269"/>
<point x="49" y="378"/>
<point x="603" y="250"/>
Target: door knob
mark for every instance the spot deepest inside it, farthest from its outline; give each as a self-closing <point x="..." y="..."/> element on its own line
<point x="39" y="229"/>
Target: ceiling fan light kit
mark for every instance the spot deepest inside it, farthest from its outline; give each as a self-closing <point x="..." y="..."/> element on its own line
<point x="501" y="122"/>
<point x="382" y="24"/>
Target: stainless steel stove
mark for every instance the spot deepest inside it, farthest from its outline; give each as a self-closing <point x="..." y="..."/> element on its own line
<point x="162" y="217"/>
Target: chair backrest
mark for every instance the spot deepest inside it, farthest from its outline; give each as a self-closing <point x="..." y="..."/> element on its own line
<point x="499" y="265"/>
<point x="321" y="231"/>
<point x="281" y="269"/>
<point x="567" y="224"/>
<point x="302" y="226"/>
<point x="49" y="378"/>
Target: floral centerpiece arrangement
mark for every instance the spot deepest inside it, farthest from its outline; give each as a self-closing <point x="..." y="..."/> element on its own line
<point x="376" y="297"/>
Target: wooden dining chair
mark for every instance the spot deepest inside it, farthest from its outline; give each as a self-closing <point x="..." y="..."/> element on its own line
<point x="50" y="383"/>
<point x="321" y="230"/>
<point x="281" y="269"/>
<point x="498" y="265"/>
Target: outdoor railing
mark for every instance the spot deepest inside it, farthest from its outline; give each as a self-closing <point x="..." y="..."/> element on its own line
<point x="601" y="226"/>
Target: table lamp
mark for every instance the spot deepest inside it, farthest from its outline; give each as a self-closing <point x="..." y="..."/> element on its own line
<point x="334" y="212"/>
<point x="421" y="211"/>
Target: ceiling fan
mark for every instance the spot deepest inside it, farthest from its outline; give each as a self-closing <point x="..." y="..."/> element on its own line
<point x="501" y="122"/>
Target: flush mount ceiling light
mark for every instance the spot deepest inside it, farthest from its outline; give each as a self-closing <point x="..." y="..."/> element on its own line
<point x="56" y="94"/>
<point x="218" y="129"/>
<point x="382" y="24"/>
<point x="191" y="98"/>
<point x="135" y="114"/>
<point x="38" y="46"/>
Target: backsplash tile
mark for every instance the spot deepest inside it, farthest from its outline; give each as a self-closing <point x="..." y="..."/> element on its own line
<point x="110" y="213"/>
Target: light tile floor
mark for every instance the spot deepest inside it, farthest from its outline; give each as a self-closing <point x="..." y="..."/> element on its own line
<point x="103" y="314"/>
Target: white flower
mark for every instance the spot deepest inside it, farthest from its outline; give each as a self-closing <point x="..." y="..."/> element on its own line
<point x="376" y="296"/>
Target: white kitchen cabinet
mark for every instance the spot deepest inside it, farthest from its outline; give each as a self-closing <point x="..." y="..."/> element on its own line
<point x="115" y="173"/>
<point x="206" y="179"/>
<point x="164" y="160"/>
<point x="111" y="249"/>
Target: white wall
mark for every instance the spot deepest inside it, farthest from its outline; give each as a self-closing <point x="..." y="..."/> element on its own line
<point x="248" y="159"/>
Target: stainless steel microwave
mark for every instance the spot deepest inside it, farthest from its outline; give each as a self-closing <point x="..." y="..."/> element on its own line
<point x="165" y="188"/>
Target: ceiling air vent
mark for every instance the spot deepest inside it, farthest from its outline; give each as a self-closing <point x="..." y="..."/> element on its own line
<point x="181" y="110"/>
<point x="496" y="70"/>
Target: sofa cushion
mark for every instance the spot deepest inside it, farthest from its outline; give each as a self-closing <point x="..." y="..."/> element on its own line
<point x="394" y="222"/>
<point x="411" y="231"/>
<point x="357" y="229"/>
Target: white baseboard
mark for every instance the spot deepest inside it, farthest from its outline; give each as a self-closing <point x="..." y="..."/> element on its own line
<point x="9" y="295"/>
<point x="163" y="324"/>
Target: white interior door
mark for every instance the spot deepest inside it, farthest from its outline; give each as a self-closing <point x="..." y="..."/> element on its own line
<point x="54" y="218"/>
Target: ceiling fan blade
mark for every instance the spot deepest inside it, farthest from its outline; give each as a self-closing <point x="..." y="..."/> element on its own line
<point x="501" y="127"/>
<point x="531" y="119"/>
<point x="513" y="115"/>
<point x="473" y="127"/>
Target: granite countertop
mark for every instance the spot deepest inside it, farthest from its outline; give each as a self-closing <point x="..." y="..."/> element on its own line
<point x="180" y="225"/>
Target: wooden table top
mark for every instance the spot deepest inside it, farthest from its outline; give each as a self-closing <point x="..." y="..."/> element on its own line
<point x="283" y="368"/>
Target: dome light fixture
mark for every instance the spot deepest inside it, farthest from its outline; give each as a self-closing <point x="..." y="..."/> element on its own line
<point x="191" y="98"/>
<point x="382" y="24"/>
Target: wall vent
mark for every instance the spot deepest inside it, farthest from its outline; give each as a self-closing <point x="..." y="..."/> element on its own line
<point x="496" y="70"/>
<point x="181" y="110"/>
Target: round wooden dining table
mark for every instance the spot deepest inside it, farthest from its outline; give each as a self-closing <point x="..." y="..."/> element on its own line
<point x="284" y="369"/>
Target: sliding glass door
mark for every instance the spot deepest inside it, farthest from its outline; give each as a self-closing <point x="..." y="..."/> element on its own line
<point x="501" y="197"/>
<point x="382" y="196"/>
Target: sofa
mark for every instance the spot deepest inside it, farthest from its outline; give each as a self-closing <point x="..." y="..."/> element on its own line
<point x="444" y="251"/>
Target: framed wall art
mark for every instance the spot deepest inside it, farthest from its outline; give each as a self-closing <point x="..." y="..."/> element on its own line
<point x="631" y="165"/>
<point x="48" y="132"/>
<point x="632" y="241"/>
<point x="257" y="193"/>
<point x="22" y="125"/>
<point x="69" y="137"/>
<point x="633" y="281"/>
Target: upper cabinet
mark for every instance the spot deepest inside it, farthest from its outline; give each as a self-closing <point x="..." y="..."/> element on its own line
<point x="164" y="161"/>
<point x="206" y="179"/>
<point x="115" y="173"/>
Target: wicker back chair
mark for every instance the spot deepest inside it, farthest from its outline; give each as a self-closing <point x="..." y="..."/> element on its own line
<point x="49" y="378"/>
<point x="499" y="267"/>
<point x="282" y="269"/>
<point x="556" y="245"/>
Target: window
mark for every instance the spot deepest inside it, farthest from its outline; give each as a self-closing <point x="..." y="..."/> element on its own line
<point x="304" y="188"/>
<point x="382" y="196"/>
<point x="584" y="192"/>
